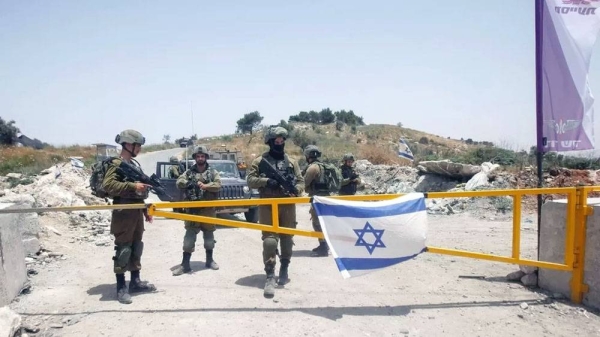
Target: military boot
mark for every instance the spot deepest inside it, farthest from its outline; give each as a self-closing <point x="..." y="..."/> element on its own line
<point x="210" y="263"/>
<point x="321" y="250"/>
<point x="184" y="267"/>
<point x="269" y="291"/>
<point x="137" y="286"/>
<point x="122" y="292"/>
<point x="283" y="272"/>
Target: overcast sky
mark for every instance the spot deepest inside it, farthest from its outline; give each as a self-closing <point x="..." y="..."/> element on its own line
<point x="81" y="71"/>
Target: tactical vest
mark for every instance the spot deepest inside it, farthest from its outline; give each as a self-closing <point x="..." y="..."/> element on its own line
<point x="284" y="167"/>
<point x="130" y="197"/>
<point x="319" y="186"/>
<point x="205" y="177"/>
<point x="349" y="189"/>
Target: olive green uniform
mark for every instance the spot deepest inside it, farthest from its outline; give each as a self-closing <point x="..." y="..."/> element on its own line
<point x="287" y="213"/>
<point x="174" y="172"/>
<point x="349" y="184"/>
<point x="127" y="225"/>
<point x="210" y="177"/>
<point x="312" y="179"/>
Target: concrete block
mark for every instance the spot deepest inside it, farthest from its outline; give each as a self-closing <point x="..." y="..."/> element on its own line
<point x="10" y="322"/>
<point x="552" y="248"/>
<point x="31" y="246"/>
<point x="13" y="273"/>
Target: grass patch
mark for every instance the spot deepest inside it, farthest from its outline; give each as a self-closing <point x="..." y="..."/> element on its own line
<point x="29" y="161"/>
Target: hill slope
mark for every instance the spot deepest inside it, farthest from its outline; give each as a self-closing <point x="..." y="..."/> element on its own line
<point x="377" y="143"/>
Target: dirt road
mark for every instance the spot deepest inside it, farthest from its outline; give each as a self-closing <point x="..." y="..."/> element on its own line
<point x="426" y="296"/>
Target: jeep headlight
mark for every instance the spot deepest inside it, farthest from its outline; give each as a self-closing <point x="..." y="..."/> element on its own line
<point x="246" y="189"/>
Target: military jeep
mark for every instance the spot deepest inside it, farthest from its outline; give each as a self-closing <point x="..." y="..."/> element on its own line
<point x="233" y="187"/>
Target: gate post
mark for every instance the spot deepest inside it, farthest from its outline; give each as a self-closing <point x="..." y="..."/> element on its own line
<point x="578" y="288"/>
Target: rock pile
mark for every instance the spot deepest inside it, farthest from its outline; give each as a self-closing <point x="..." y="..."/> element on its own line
<point x="443" y="176"/>
<point x="527" y="275"/>
<point x="58" y="186"/>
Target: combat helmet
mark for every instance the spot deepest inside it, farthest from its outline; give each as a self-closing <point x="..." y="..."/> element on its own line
<point x="200" y="150"/>
<point x="348" y="156"/>
<point x="131" y="137"/>
<point x="312" y="151"/>
<point x="174" y="159"/>
<point x="275" y="132"/>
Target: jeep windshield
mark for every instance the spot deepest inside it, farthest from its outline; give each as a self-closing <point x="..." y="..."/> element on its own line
<point x="226" y="170"/>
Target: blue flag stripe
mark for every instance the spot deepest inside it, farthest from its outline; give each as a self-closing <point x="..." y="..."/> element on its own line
<point x="362" y="212"/>
<point x="348" y="263"/>
<point x="405" y="155"/>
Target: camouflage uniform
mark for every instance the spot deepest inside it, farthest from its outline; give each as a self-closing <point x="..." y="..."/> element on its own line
<point x="350" y="178"/>
<point x="210" y="177"/>
<point x="313" y="180"/>
<point x="174" y="172"/>
<point x="127" y="225"/>
<point x="287" y="213"/>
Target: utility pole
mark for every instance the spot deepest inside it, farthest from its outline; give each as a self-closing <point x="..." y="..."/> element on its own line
<point x="191" y="141"/>
<point x="192" y="112"/>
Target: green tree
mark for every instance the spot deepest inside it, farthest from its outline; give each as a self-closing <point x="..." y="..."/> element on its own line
<point x="348" y="117"/>
<point x="326" y="116"/>
<point x="314" y="117"/>
<point x="8" y="132"/>
<point x="249" y="123"/>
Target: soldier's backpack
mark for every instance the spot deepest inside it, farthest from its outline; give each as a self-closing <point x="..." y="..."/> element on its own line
<point x="98" y="172"/>
<point x="331" y="179"/>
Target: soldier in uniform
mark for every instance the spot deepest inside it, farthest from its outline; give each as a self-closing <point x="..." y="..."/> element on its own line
<point x="174" y="173"/>
<point x="350" y="178"/>
<point x="201" y="182"/>
<point x="270" y="188"/>
<point x="174" y="169"/>
<point x="315" y="185"/>
<point x="127" y="225"/>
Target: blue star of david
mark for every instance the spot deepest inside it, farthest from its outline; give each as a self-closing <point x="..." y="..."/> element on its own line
<point x="377" y="233"/>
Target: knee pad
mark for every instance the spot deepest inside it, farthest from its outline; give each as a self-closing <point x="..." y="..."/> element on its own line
<point x="270" y="246"/>
<point x="121" y="258"/>
<point x="137" y="248"/>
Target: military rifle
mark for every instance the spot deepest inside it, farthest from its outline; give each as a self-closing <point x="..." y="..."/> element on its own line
<point x="132" y="172"/>
<point x="193" y="192"/>
<point x="287" y="183"/>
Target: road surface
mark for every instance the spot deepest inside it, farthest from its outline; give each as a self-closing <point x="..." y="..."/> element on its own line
<point x="427" y="296"/>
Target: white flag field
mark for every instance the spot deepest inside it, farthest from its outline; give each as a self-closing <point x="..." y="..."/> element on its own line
<point x="365" y="236"/>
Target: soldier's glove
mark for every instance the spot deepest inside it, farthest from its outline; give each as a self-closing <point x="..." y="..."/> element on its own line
<point x="272" y="183"/>
<point x="353" y="176"/>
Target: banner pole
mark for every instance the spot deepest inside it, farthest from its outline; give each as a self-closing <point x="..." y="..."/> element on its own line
<point x="539" y="8"/>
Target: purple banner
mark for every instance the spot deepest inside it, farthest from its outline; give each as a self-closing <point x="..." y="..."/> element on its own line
<point x="569" y="31"/>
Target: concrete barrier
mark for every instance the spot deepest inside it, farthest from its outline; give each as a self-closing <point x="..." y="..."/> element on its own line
<point x="13" y="273"/>
<point x="552" y="249"/>
<point x="28" y="222"/>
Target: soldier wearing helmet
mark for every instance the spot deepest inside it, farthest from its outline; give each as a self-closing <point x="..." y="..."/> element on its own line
<point x="204" y="183"/>
<point x="174" y="171"/>
<point x="127" y="225"/>
<point x="315" y="185"/>
<point x="269" y="188"/>
<point x="350" y="177"/>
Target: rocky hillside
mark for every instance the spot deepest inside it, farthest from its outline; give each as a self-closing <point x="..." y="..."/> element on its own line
<point x="377" y="143"/>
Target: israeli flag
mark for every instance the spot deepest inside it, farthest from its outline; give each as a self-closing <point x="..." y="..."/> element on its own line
<point x="365" y="236"/>
<point x="404" y="151"/>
